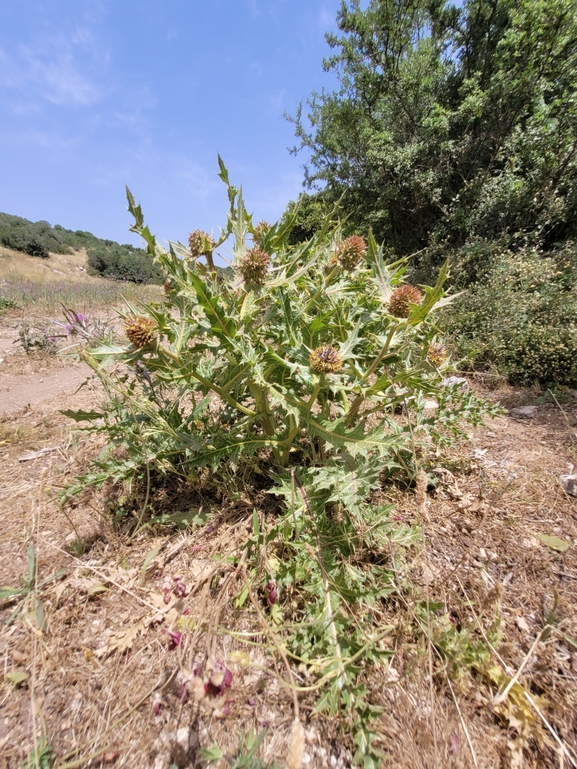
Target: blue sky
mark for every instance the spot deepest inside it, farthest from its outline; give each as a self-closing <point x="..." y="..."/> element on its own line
<point x="98" y="93"/>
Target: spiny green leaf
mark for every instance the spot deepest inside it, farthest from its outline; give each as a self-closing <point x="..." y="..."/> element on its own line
<point x="555" y="543"/>
<point x="221" y="324"/>
<point x="82" y="416"/>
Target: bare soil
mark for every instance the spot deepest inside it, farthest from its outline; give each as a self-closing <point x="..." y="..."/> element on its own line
<point x="104" y="683"/>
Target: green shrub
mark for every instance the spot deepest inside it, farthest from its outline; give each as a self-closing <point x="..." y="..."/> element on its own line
<point x="301" y="354"/>
<point x="6" y="303"/>
<point x="123" y="263"/>
<point x="520" y="314"/>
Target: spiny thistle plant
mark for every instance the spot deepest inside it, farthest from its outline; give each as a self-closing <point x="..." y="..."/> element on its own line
<point x="350" y="252"/>
<point x="401" y="300"/>
<point x="437" y="353"/>
<point x="314" y="363"/>
<point x="141" y="331"/>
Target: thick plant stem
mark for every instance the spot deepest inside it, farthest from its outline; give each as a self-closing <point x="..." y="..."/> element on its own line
<point x="328" y="603"/>
<point x="373" y="367"/>
<point x="319" y="291"/>
<point x="353" y="411"/>
<point x="263" y="409"/>
<point x="284" y="453"/>
<point x="211" y="386"/>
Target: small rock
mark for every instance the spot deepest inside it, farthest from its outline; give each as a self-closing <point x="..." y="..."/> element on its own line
<point x="523" y="412"/>
<point x="449" y="381"/>
<point x="431" y="405"/>
<point x="569" y="483"/>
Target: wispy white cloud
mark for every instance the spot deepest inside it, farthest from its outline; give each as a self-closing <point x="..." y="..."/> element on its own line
<point x="326" y="18"/>
<point x="61" y="68"/>
<point x="37" y="138"/>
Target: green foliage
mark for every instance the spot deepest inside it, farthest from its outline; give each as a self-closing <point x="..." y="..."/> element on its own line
<point x="520" y="314"/>
<point x="291" y="367"/>
<point x="450" y="122"/>
<point x="41" y="757"/>
<point x="123" y="263"/>
<point x="6" y="303"/>
<point x="27" y="593"/>
<point x="308" y="215"/>
<point x="245" y="757"/>
<point x="229" y="375"/>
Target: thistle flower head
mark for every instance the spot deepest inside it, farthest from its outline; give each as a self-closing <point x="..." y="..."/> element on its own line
<point x="350" y="252"/>
<point x="253" y="266"/>
<point x="260" y="231"/>
<point x="401" y="299"/>
<point x="141" y="331"/>
<point x="200" y="242"/>
<point x="437" y="353"/>
<point x="326" y="359"/>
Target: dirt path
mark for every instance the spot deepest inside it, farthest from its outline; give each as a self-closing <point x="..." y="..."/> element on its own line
<point x="28" y="380"/>
<point x="30" y="390"/>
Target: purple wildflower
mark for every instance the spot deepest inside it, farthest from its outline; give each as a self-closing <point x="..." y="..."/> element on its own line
<point x="175" y="638"/>
<point x="271" y="590"/>
<point x="179" y="588"/>
<point x="219" y="680"/>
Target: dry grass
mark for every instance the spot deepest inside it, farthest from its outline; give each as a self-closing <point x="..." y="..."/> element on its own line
<point x="15" y="263"/>
<point x="105" y="688"/>
<point x="40" y="286"/>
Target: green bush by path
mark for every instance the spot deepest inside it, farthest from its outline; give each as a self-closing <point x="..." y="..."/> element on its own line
<point x="123" y="263"/>
<point x="519" y="314"/>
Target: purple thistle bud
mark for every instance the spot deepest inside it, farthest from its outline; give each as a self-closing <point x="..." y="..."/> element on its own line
<point x="175" y="638"/>
<point x="179" y="588"/>
<point x="271" y="590"/>
<point x="219" y="680"/>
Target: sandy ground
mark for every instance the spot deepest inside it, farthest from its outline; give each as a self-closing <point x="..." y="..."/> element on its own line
<point x="26" y="381"/>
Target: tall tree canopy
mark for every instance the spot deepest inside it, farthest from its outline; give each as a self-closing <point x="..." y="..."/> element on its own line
<point x="450" y="123"/>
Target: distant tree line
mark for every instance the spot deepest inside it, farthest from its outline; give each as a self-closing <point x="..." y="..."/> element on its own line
<point x="105" y="257"/>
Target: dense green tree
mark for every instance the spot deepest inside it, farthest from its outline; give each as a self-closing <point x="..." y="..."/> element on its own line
<point x="450" y="123"/>
<point x="123" y="263"/>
